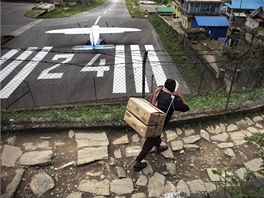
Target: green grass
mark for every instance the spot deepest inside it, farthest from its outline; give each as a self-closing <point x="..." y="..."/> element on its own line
<point x="66" y="11"/>
<point x="107" y="113"/>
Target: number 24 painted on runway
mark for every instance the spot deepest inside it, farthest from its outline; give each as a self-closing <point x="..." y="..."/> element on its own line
<point x="47" y="73"/>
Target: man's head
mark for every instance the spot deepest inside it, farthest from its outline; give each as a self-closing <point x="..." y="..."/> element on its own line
<point x="170" y="84"/>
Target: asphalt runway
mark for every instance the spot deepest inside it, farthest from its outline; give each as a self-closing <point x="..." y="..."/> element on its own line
<point x="39" y="69"/>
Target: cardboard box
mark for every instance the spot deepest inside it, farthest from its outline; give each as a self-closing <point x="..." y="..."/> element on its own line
<point x="140" y="127"/>
<point x="145" y="111"/>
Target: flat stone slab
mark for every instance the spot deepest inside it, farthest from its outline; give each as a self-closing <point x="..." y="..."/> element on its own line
<point x="156" y="185"/>
<point x="122" y="186"/>
<point x="176" y="145"/>
<point x="213" y="177"/>
<point x="121" y="140"/>
<point x="10" y="154"/>
<point x="90" y="154"/>
<point x="41" y="183"/>
<point x="254" y="165"/>
<point x="182" y="187"/>
<point x="191" y="139"/>
<point x="91" y="139"/>
<point x="95" y="187"/>
<point x="132" y="151"/>
<point x="196" y="186"/>
<point x="220" y="137"/>
<point x="36" y="158"/>
<point x="12" y="187"/>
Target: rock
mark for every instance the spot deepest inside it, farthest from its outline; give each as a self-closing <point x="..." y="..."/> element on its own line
<point x="169" y="187"/>
<point x="257" y="119"/>
<point x="135" y="138"/>
<point x="191" y="147"/>
<point x="120" y="172"/>
<point x="241" y="173"/>
<point x="71" y="134"/>
<point x="213" y="177"/>
<point x="230" y="152"/>
<point x="249" y="121"/>
<point x="148" y="169"/>
<point x="90" y="154"/>
<point x="214" y="129"/>
<point x="252" y="129"/>
<point x="182" y="187"/>
<point x="121" y="140"/>
<point x="254" y="165"/>
<point x="132" y="151"/>
<point x="41" y="183"/>
<point x="95" y="187"/>
<point x="142" y="180"/>
<point x="174" y="195"/>
<point x="232" y="127"/>
<point x="189" y="132"/>
<point x="122" y="186"/>
<point x="223" y="127"/>
<point x="168" y="154"/>
<point x="10" y="154"/>
<point x="156" y="185"/>
<point x="220" y="137"/>
<point x="139" y="195"/>
<point x="36" y="158"/>
<point x="91" y="140"/>
<point x="225" y="145"/>
<point x="13" y="186"/>
<point x="171" y="135"/>
<point x="75" y="195"/>
<point x="117" y="153"/>
<point x="205" y="135"/>
<point x="191" y="139"/>
<point x="210" y="187"/>
<point x="179" y="131"/>
<point x="196" y="186"/>
<point x="176" y="145"/>
<point x="242" y="124"/>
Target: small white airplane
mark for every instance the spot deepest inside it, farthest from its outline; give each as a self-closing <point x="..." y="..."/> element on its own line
<point x="95" y="41"/>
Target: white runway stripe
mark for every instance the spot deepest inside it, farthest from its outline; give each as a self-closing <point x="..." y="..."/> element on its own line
<point x="137" y="62"/>
<point x="22" y="75"/>
<point x="119" y="81"/>
<point x="158" y="72"/>
<point x="8" y="55"/>
<point x="10" y="67"/>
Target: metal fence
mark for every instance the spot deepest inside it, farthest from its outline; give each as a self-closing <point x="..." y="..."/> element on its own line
<point x="29" y="81"/>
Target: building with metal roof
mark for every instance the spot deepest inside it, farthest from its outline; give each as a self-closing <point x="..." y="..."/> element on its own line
<point x="215" y="26"/>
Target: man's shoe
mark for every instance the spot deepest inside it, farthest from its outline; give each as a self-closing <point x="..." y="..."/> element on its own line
<point x="139" y="166"/>
<point x="161" y="149"/>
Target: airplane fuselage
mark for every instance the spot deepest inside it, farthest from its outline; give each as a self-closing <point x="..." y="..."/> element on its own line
<point x="95" y="35"/>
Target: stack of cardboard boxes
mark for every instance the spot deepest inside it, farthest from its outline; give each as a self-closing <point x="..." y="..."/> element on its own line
<point x="144" y="117"/>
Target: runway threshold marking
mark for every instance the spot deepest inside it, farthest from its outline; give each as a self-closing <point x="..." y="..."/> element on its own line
<point x="22" y="75"/>
<point x="156" y="67"/>
<point x="137" y="62"/>
<point x="10" y="67"/>
<point x="119" y="84"/>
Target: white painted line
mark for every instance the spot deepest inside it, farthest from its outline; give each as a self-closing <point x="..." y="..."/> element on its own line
<point x="22" y="75"/>
<point x="10" y="67"/>
<point x="119" y="84"/>
<point x="137" y="68"/>
<point x="157" y="70"/>
<point x="8" y="55"/>
<point x="97" y="20"/>
<point x="91" y="62"/>
<point x="26" y="27"/>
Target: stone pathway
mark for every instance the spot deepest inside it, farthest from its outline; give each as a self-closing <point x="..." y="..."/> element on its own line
<point x="77" y="164"/>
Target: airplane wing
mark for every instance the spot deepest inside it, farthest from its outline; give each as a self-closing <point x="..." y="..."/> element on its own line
<point x="71" y="31"/>
<point x="115" y="30"/>
<point x="101" y="30"/>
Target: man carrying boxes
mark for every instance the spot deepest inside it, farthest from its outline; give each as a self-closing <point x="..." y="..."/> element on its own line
<point x="149" y="120"/>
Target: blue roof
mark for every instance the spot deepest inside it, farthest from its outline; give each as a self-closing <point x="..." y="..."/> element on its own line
<point x="212" y="21"/>
<point x="245" y="4"/>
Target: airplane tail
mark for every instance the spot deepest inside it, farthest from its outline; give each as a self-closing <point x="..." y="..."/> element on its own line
<point x="93" y="47"/>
